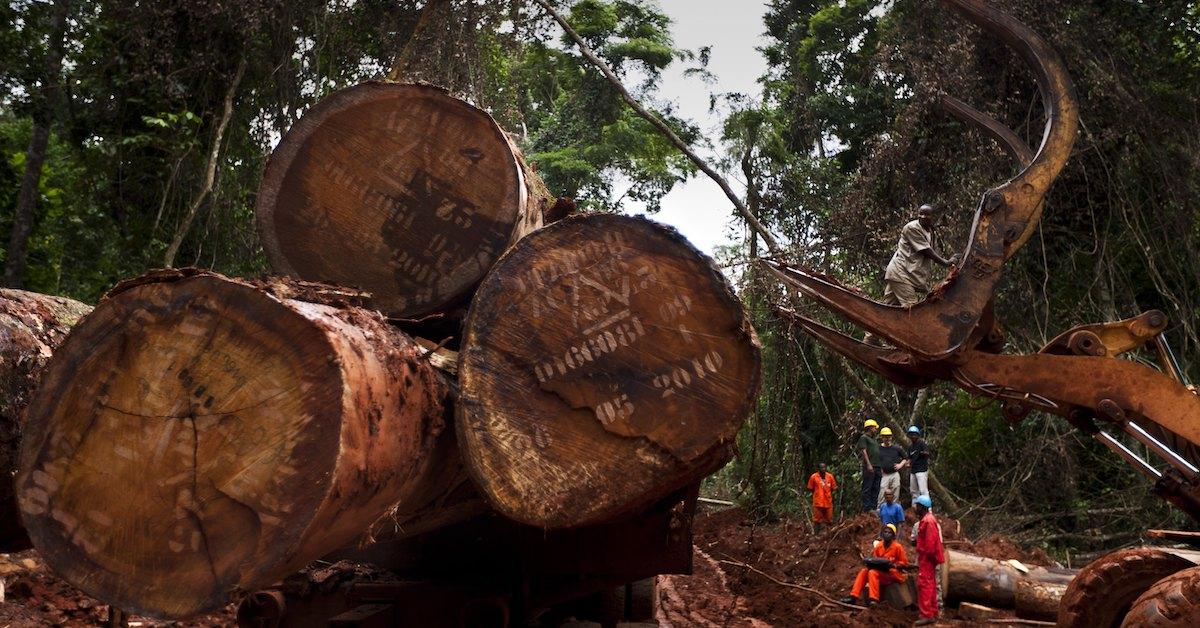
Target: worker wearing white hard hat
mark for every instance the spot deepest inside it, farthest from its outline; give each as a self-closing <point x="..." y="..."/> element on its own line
<point x="918" y="459"/>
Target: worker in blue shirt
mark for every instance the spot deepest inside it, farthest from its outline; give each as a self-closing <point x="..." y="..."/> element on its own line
<point x="890" y="511"/>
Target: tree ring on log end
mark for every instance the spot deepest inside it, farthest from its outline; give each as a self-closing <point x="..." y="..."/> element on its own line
<point x="176" y="428"/>
<point x="606" y="363"/>
<point x="399" y="190"/>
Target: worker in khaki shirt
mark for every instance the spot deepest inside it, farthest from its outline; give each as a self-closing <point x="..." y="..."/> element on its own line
<point x="909" y="275"/>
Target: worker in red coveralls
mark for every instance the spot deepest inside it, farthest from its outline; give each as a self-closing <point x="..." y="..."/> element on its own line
<point x="929" y="556"/>
<point x="876" y="579"/>
<point x="822" y="484"/>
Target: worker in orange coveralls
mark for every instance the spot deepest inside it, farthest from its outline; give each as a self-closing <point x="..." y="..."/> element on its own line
<point x="822" y="484"/>
<point x="929" y="556"/>
<point x="876" y="579"/>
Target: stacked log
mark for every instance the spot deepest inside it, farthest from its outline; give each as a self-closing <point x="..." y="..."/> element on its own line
<point x="31" y="326"/>
<point x="606" y="363"/>
<point x="400" y="190"/>
<point x="196" y="435"/>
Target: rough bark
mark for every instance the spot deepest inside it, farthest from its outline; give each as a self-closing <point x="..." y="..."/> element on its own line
<point x="197" y="435"/>
<point x="1038" y="600"/>
<point x="606" y="363"/>
<point x="31" y="326"/>
<point x="400" y="190"/>
<point x="970" y="578"/>
<point x="45" y="105"/>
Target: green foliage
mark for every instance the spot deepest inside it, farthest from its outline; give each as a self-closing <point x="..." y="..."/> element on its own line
<point x="582" y="137"/>
<point x="147" y="81"/>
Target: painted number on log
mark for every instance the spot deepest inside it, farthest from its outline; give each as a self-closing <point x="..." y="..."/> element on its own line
<point x="680" y="377"/>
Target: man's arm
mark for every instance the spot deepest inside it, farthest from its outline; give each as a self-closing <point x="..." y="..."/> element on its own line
<point x="866" y="459"/>
<point x="941" y="261"/>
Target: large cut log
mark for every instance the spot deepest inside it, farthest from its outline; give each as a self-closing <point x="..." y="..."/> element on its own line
<point x="1038" y="600"/>
<point x="606" y="363"/>
<point x="399" y="190"/>
<point x="31" y="326"/>
<point x="197" y="435"/>
<point x="970" y="578"/>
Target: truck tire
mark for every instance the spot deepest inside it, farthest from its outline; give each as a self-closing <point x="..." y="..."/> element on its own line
<point x="1173" y="602"/>
<point x="1104" y="591"/>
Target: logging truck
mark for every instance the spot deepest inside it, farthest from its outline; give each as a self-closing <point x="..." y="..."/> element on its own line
<point x="505" y="411"/>
<point x="954" y="336"/>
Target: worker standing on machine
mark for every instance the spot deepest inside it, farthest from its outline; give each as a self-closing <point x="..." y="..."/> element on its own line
<point x="892" y="459"/>
<point x="918" y="460"/>
<point x="930" y="554"/>
<point x="867" y="450"/>
<point x="822" y="484"/>
<point x="874" y="576"/>
<point x="909" y="275"/>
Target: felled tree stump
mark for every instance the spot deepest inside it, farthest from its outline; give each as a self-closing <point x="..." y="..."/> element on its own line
<point x="606" y="363"/>
<point x="31" y="326"/>
<point x="400" y="190"/>
<point x="197" y="435"/>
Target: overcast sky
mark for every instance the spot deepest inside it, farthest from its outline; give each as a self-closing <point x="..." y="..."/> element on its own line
<point x="734" y="30"/>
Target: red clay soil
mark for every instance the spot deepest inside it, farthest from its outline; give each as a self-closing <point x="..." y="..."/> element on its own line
<point x="33" y="597"/>
<point x="824" y="565"/>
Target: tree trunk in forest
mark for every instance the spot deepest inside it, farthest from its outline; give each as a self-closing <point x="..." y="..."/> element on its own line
<point x="399" y="190"/>
<point x="31" y="327"/>
<point x="970" y="578"/>
<point x="197" y="435"/>
<point x="210" y="170"/>
<point x="606" y="364"/>
<point x="45" y="107"/>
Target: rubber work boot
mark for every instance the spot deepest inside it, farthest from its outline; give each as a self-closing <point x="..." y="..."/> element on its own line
<point x="849" y="599"/>
<point x="925" y="621"/>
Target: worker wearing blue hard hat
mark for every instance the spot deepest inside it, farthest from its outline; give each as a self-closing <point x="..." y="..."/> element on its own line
<point x="918" y="460"/>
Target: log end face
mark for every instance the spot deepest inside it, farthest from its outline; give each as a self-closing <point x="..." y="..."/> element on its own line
<point x="400" y="190"/>
<point x="175" y="429"/>
<point x="607" y="364"/>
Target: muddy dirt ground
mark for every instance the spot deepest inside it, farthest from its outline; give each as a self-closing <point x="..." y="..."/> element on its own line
<point x="728" y="588"/>
<point x="743" y="572"/>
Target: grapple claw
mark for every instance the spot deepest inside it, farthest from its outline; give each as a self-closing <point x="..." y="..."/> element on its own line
<point x="933" y="330"/>
<point x="891" y="364"/>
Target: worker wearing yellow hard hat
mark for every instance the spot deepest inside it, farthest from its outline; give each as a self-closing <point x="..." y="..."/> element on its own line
<point x="881" y="569"/>
<point x="867" y="451"/>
